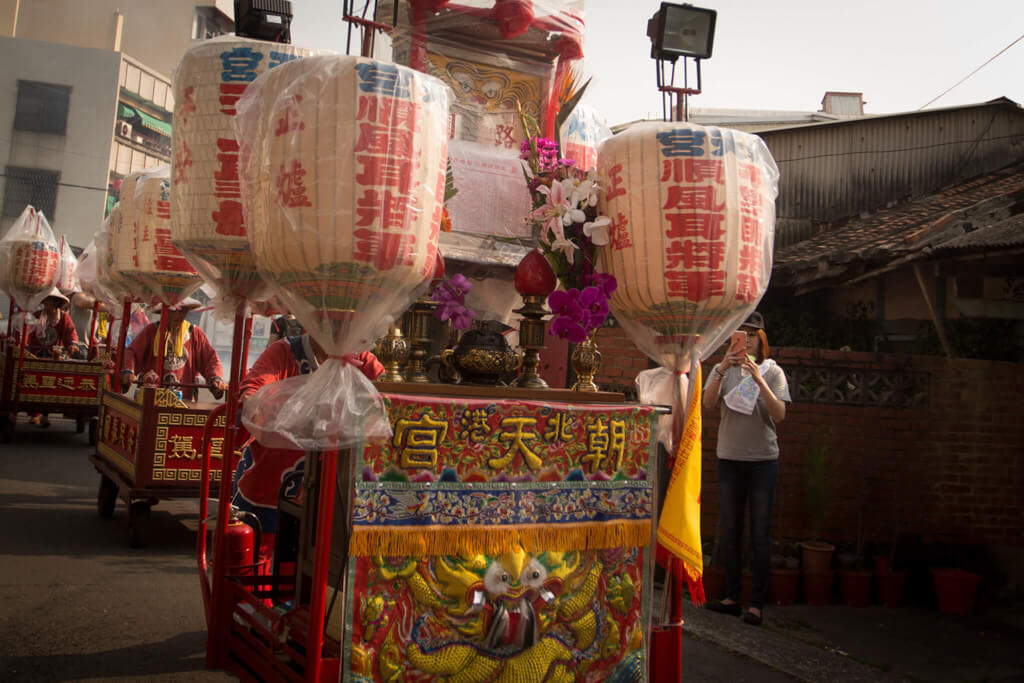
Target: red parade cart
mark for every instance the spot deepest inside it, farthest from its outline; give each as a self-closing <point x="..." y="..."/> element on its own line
<point x="44" y="385"/>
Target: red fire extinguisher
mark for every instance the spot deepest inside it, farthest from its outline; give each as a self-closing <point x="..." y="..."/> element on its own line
<point x="242" y="544"/>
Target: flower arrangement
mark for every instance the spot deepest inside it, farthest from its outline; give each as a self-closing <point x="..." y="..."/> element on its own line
<point x="450" y="294"/>
<point x="568" y="230"/>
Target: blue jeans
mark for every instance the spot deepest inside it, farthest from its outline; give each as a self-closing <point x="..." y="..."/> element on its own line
<point x="740" y="483"/>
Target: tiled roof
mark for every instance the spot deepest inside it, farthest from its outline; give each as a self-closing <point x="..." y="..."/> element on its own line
<point x="983" y="213"/>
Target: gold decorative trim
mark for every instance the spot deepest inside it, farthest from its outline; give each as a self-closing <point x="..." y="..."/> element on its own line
<point x="119" y="462"/>
<point x="122" y="405"/>
<point x="60" y="400"/>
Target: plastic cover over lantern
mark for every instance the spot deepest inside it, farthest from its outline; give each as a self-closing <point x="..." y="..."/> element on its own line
<point x="67" y="270"/>
<point x="123" y="241"/>
<point x="343" y="172"/>
<point x="207" y="221"/>
<point x="161" y="268"/>
<point x="693" y="222"/>
<point x="108" y="278"/>
<point x="30" y="258"/>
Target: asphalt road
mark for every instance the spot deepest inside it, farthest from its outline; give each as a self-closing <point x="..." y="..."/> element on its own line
<point x="78" y="604"/>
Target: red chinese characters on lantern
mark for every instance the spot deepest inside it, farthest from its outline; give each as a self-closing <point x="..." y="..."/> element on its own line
<point x="227" y="189"/>
<point x="291" y="189"/>
<point x="290" y="118"/>
<point x="188" y="105"/>
<point x="386" y="159"/>
<point x="748" y="280"/>
<point x="618" y="233"/>
<point x="182" y="164"/>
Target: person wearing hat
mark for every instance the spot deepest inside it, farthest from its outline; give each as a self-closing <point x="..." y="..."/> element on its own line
<point x="752" y="391"/>
<point x="55" y="328"/>
<point x="187" y="354"/>
<point x="262" y="470"/>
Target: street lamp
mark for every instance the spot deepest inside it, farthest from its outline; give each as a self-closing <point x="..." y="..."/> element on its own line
<point x="680" y="31"/>
<point x="264" y="20"/>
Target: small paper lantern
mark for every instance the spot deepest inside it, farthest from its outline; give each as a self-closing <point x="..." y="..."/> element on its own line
<point x="693" y="220"/>
<point x="107" y="277"/>
<point x="67" y="271"/>
<point x="159" y="264"/>
<point x="123" y="242"/>
<point x="208" y="224"/>
<point x="31" y="257"/>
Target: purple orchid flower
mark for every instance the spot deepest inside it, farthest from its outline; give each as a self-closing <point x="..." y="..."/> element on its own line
<point x="605" y="282"/>
<point x="566" y="328"/>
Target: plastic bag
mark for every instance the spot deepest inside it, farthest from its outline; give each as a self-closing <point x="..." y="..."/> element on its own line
<point x="343" y="170"/>
<point x="207" y="221"/>
<point x="32" y="258"/>
<point x="693" y="212"/>
<point x="67" y="270"/>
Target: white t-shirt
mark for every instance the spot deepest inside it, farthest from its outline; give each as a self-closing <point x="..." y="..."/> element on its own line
<point x="750" y="437"/>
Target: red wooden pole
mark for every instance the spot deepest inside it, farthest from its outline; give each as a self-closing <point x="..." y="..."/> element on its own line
<point x="318" y="597"/>
<point x="126" y="312"/>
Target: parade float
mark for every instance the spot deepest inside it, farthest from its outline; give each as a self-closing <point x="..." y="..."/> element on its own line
<point x="41" y="377"/>
<point x="482" y="530"/>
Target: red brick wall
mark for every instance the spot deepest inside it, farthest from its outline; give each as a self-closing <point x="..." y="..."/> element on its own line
<point x="952" y="470"/>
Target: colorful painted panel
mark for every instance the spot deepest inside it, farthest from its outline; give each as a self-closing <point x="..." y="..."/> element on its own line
<point x="502" y="541"/>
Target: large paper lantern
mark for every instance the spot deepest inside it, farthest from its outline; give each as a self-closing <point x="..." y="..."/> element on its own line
<point x="108" y="277"/>
<point x="123" y="236"/>
<point x="345" y="182"/>
<point x="166" y="274"/>
<point x="208" y="224"/>
<point x="693" y="220"/>
<point x="30" y="256"/>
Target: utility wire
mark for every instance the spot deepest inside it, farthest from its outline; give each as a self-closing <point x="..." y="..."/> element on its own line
<point x="1019" y="38"/>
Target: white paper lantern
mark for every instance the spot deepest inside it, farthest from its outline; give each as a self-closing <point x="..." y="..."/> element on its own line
<point x="160" y="266"/>
<point x="30" y="257"/>
<point x="693" y="219"/>
<point x="208" y="224"/>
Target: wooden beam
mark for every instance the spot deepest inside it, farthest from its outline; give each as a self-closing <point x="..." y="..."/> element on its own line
<point x="931" y="309"/>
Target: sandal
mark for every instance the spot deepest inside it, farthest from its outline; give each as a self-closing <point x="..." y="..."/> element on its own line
<point x="751" y="618"/>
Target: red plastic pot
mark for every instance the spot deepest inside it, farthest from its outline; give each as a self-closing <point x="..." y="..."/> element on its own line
<point x="956" y="590"/>
<point x="818" y="587"/>
<point x="816" y="557"/>
<point x="890" y="586"/>
<point x="782" y="586"/>
<point x="855" y="587"/>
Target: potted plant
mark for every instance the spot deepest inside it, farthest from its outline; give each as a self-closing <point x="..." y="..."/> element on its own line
<point x="889" y="583"/>
<point x="854" y="580"/>
<point x="816" y="555"/>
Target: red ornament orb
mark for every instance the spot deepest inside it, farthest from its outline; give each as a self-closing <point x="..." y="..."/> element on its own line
<point x="534" y="275"/>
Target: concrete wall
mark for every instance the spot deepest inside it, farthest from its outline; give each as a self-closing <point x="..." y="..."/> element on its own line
<point x="155" y="33"/>
<point x="83" y="154"/>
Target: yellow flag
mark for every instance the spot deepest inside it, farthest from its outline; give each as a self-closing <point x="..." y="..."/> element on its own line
<point x="679" y="525"/>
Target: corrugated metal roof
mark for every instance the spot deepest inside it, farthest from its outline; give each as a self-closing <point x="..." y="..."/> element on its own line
<point x="831" y="171"/>
<point x="1004" y="235"/>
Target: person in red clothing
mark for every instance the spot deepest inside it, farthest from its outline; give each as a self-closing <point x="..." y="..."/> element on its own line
<point x="55" y="328"/>
<point x="187" y="354"/>
<point x="261" y="470"/>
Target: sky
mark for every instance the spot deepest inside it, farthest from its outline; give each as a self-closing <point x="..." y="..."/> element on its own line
<point x="785" y="54"/>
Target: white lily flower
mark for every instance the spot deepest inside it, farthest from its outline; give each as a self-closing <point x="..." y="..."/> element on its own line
<point x="597" y="230"/>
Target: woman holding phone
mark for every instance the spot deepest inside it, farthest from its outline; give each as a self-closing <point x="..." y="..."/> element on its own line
<point x="752" y="391"/>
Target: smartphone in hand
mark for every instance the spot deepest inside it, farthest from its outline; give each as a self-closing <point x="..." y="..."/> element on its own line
<point x="738" y="343"/>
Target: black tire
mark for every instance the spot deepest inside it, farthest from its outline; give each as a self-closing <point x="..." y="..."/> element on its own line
<point x="138" y="523"/>
<point x="106" y="499"/>
<point x="93" y="431"/>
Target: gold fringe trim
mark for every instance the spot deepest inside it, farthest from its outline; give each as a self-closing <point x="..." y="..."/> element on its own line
<point x="495" y="540"/>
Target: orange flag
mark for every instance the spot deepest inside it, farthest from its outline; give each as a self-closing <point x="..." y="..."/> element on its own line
<point x="679" y="525"/>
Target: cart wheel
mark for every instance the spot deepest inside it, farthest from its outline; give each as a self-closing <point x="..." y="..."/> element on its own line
<point x="138" y="523"/>
<point x="93" y="429"/>
<point x="79" y="424"/>
<point x="106" y="499"/>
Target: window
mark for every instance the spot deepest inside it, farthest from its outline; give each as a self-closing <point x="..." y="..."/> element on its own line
<point x="33" y="186"/>
<point x="209" y="22"/>
<point x="42" y="107"/>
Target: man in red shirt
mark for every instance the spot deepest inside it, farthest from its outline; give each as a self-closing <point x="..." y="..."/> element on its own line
<point x="262" y="470"/>
<point x="187" y="354"/>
